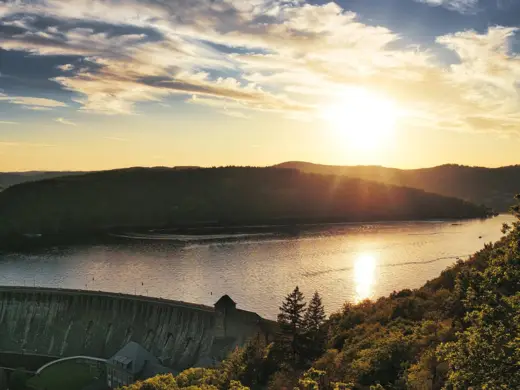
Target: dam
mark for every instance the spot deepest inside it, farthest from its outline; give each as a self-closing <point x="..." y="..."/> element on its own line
<point x="60" y="323"/>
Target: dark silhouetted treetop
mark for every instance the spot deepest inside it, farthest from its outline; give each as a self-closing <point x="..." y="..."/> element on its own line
<point x="315" y="314"/>
<point x="292" y="312"/>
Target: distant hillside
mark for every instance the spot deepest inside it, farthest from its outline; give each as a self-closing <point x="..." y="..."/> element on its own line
<point x="8" y="179"/>
<point x="493" y="187"/>
<point x="161" y="197"/>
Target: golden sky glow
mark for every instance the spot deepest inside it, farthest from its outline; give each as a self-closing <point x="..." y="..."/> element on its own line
<point x="106" y="84"/>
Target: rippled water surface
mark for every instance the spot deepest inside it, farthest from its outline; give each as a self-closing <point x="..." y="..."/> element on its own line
<point x="343" y="262"/>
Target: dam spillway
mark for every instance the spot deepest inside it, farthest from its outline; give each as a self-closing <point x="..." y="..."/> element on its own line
<point x="61" y="323"/>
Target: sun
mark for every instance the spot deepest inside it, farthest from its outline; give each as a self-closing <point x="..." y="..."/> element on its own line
<point x="362" y="118"/>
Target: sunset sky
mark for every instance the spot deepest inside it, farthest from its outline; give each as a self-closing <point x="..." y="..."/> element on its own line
<point x="89" y="84"/>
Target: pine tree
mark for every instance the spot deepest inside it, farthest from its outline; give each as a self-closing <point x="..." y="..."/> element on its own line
<point x="314" y="338"/>
<point x="292" y="313"/>
<point x="315" y="315"/>
<point x="291" y="342"/>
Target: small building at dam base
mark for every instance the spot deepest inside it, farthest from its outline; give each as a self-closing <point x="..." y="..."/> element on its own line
<point x="132" y="363"/>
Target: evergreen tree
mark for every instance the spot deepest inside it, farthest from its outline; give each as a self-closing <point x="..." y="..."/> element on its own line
<point x="314" y="340"/>
<point x="315" y="315"/>
<point x="292" y="342"/>
<point x="292" y="313"/>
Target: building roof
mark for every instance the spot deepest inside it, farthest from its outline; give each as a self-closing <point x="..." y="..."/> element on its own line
<point x="249" y="316"/>
<point x="134" y="358"/>
<point x="225" y="300"/>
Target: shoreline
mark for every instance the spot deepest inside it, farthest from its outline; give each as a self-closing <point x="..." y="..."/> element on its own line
<point x="191" y="233"/>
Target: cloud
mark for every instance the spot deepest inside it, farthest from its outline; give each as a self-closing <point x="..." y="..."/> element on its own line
<point x="8" y="123"/>
<point x="117" y="139"/>
<point x="282" y="57"/>
<point x="64" y="121"/>
<point x="41" y="102"/>
<point x="112" y="92"/>
<point x="65" y="67"/>
<point x="24" y="144"/>
<point x="33" y="103"/>
<point x="235" y="114"/>
<point x="462" y="6"/>
<point x="227" y="107"/>
<point x="126" y="75"/>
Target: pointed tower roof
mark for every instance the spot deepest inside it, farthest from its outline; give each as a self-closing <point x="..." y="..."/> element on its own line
<point x="225" y="302"/>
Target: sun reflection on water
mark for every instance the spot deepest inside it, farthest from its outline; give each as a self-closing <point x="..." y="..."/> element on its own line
<point x="364" y="275"/>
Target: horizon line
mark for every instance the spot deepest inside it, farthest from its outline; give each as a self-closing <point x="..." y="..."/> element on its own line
<point x="36" y="171"/>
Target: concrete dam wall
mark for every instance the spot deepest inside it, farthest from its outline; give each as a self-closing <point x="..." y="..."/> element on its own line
<point x="62" y="323"/>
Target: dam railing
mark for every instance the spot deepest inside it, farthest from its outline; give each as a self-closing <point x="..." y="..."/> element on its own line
<point x="76" y="292"/>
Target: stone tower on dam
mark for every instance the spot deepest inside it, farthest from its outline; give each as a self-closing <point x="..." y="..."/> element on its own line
<point x="61" y="323"/>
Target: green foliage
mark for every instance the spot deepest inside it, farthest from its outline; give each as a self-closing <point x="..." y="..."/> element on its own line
<point x="286" y="379"/>
<point x="199" y="377"/>
<point x="312" y="379"/>
<point x="315" y="315"/>
<point x="292" y="313"/>
<point x="486" y="351"/>
<point x="302" y="336"/>
<point x="160" y="382"/>
<point x="236" y="385"/>
<point x="313" y="322"/>
<point x="191" y="379"/>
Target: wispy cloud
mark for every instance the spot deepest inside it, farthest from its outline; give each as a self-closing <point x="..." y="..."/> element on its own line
<point x="462" y="6"/>
<point x="235" y="114"/>
<point x="8" y="123"/>
<point x="64" y="121"/>
<point x="117" y="139"/>
<point x="65" y="67"/>
<point x="24" y="144"/>
<point x="227" y="107"/>
<point x="33" y="103"/>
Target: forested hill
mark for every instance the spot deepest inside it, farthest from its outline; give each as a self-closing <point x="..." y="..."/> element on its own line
<point x="161" y="197"/>
<point x="494" y="187"/>
<point x="8" y="179"/>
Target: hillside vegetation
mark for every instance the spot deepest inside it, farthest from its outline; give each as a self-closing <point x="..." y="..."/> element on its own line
<point x="459" y="331"/>
<point x="493" y="187"/>
<point x="161" y="197"/>
<point x="8" y="179"/>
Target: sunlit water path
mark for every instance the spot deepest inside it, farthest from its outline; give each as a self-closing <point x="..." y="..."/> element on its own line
<point x="343" y="262"/>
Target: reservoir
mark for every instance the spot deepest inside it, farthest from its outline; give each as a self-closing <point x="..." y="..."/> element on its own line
<point x="343" y="262"/>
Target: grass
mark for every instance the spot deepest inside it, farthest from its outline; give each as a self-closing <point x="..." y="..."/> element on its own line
<point x="68" y="375"/>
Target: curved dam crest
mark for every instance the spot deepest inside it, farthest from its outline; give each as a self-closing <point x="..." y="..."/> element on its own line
<point x="61" y="323"/>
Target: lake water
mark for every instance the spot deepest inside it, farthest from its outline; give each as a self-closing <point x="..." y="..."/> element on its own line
<point x="343" y="262"/>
